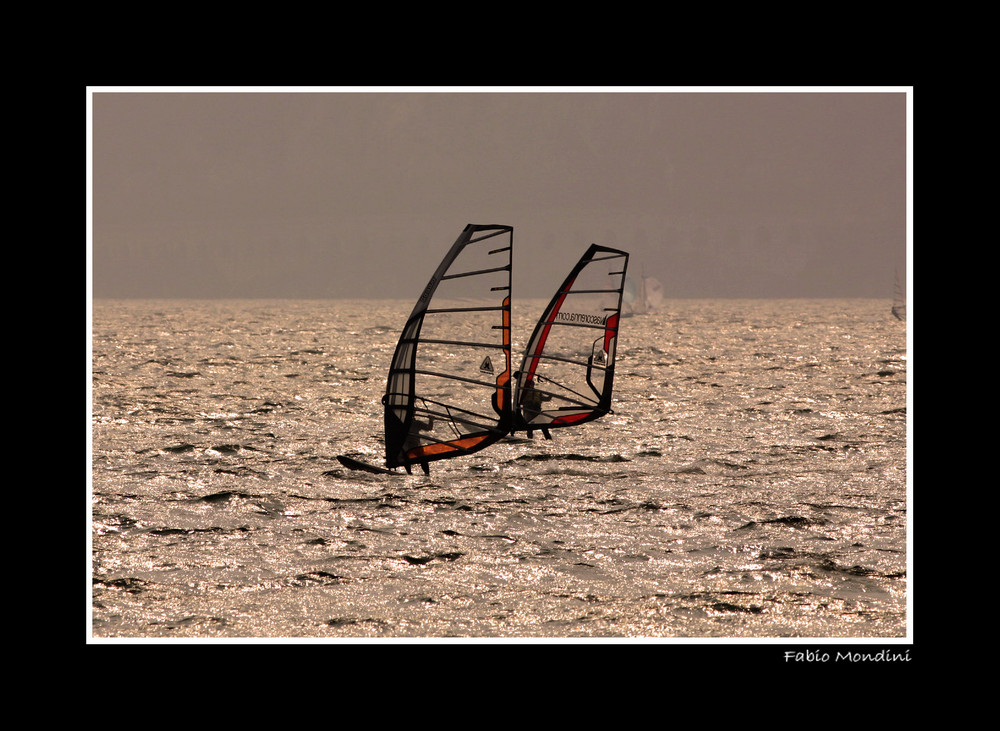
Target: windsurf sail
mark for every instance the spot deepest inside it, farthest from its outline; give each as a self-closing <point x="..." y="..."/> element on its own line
<point x="448" y="392"/>
<point x="567" y="374"/>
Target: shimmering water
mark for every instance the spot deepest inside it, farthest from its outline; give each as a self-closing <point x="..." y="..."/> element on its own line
<point x="752" y="482"/>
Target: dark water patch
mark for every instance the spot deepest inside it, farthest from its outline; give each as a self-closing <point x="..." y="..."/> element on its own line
<point x="423" y="560"/>
<point x="369" y="529"/>
<point x="795" y="521"/>
<point x="445" y="501"/>
<point x="725" y="602"/>
<point x="222" y="497"/>
<point x="180" y="448"/>
<point x="651" y="505"/>
<point x="692" y="469"/>
<point x="497" y="536"/>
<point x="321" y="578"/>
<point x="338" y="473"/>
<point x="418" y="599"/>
<point x="617" y="505"/>
<point x="830" y="566"/>
<point x="183" y="374"/>
<point x="352" y="621"/>
<point x="386" y="500"/>
<point x="341" y="622"/>
<point x="128" y="584"/>
<point x="789" y="521"/>
<point x="706" y="466"/>
<point x="170" y="421"/>
<point x="113" y="523"/>
<point x="193" y="531"/>
<point x="781" y="450"/>
<point x="239" y="471"/>
<point x="571" y="457"/>
<point x="191" y="620"/>
<point x="842" y="442"/>
<point x="823" y="563"/>
<point x="728" y="607"/>
<point x="830" y="506"/>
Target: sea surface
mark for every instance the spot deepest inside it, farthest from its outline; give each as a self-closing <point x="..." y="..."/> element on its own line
<point x="750" y="485"/>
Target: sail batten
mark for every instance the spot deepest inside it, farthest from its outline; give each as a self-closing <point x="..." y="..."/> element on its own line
<point x="465" y="417"/>
<point x="460" y="379"/>
<point x="573" y="361"/>
<point x="442" y="310"/>
<point x="460" y="343"/>
<point x="475" y="273"/>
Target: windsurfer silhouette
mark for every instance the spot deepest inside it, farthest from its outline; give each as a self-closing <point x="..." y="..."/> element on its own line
<point x="531" y="402"/>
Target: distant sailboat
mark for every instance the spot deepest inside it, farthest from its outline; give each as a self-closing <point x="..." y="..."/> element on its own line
<point x="898" y="300"/>
<point x="643" y="296"/>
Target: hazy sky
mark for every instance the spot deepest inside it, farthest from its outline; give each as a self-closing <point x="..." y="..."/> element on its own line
<point x="338" y="193"/>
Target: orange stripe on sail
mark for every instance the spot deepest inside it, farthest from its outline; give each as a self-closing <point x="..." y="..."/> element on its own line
<point x="432" y="450"/>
